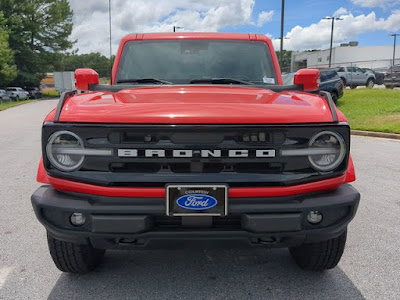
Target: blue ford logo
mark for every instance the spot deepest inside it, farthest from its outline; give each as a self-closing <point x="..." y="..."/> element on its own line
<point x="196" y="201"/>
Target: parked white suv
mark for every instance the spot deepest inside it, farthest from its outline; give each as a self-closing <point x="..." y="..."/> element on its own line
<point x="17" y="93"/>
<point x="355" y="76"/>
<point x="3" y="96"/>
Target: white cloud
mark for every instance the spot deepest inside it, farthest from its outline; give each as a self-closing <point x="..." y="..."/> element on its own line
<point x="91" y="18"/>
<point x="340" y="11"/>
<point x="264" y="16"/>
<point x="317" y="35"/>
<point x="375" y="3"/>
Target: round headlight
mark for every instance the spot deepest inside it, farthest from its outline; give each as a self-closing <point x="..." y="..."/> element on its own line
<point x="328" y="150"/>
<point x="63" y="150"/>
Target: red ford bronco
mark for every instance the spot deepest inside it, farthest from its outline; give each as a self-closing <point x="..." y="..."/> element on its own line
<point x="196" y="138"/>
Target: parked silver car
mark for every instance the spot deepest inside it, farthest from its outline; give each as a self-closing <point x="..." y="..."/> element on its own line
<point x="355" y="76"/>
<point x="3" y="96"/>
<point x="17" y="93"/>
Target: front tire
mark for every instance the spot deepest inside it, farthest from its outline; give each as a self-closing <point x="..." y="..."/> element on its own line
<point x="319" y="256"/>
<point x="370" y="83"/>
<point x="334" y="97"/>
<point x="74" y="258"/>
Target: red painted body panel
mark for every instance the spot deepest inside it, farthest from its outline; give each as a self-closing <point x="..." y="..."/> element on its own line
<point x="41" y="173"/>
<point x="351" y="173"/>
<point x="77" y="187"/>
<point x="85" y="77"/>
<point x="71" y="186"/>
<point x="196" y="105"/>
<point x="308" y="78"/>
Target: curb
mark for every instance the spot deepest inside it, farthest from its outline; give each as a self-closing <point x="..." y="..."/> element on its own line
<point x="376" y="134"/>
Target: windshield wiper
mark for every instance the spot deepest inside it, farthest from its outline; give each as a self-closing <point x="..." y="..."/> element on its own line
<point x="144" y="80"/>
<point x="220" y="81"/>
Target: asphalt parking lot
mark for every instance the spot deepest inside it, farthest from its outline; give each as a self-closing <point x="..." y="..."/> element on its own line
<point x="369" y="269"/>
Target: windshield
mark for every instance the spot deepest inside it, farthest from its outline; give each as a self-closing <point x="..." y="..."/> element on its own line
<point x="183" y="61"/>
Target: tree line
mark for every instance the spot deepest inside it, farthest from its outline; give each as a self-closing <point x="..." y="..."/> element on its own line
<point x="35" y="39"/>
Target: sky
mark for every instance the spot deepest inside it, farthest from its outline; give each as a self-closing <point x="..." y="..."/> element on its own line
<point x="368" y="21"/>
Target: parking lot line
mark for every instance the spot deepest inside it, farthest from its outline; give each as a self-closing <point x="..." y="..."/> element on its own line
<point x="3" y="275"/>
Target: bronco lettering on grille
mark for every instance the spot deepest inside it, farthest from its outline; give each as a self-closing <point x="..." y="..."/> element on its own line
<point x="198" y="153"/>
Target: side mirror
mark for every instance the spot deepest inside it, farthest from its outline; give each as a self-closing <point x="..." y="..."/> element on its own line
<point x="84" y="78"/>
<point x="308" y="78"/>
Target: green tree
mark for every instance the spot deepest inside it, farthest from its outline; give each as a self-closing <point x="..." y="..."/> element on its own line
<point x="8" y="70"/>
<point x="71" y="62"/>
<point x="286" y="60"/>
<point x="38" y="29"/>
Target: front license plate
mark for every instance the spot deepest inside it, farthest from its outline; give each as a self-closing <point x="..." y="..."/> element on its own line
<point x="197" y="200"/>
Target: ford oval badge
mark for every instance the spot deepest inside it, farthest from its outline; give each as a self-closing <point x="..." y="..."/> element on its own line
<point x="196" y="201"/>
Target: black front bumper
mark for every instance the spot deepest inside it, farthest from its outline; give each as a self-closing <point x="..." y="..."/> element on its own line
<point x="122" y="223"/>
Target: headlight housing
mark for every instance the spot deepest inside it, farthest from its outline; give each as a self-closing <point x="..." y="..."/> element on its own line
<point x="328" y="149"/>
<point x="64" y="150"/>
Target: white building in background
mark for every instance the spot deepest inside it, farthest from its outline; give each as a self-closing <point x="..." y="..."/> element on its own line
<point x="378" y="58"/>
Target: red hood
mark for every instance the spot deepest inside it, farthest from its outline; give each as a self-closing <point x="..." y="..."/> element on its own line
<point x="196" y="105"/>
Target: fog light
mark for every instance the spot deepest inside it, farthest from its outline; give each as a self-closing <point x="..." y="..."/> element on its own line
<point x="78" y="219"/>
<point x="314" y="217"/>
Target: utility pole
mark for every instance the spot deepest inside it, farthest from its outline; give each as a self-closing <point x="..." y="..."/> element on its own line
<point x="282" y="23"/>
<point x="333" y="24"/>
<point x="394" y="35"/>
<point x="109" y="21"/>
<point x="177" y="27"/>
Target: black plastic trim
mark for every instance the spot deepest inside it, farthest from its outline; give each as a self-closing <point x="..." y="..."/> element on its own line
<point x="118" y="87"/>
<point x="292" y="210"/>
<point x="328" y="97"/>
<point x="64" y="96"/>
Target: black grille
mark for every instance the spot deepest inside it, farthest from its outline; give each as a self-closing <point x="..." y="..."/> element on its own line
<point x="257" y="136"/>
<point x="158" y="171"/>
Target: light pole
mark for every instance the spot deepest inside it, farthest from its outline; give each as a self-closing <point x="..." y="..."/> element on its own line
<point x="282" y="23"/>
<point x="177" y="27"/>
<point x="333" y="24"/>
<point x="109" y="23"/>
<point x="394" y="35"/>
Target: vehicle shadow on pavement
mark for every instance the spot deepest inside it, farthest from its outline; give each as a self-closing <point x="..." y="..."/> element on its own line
<point x="240" y="273"/>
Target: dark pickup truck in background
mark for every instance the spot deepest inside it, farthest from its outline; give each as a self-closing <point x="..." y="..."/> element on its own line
<point x="392" y="77"/>
<point x="330" y="81"/>
<point x="379" y="76"/>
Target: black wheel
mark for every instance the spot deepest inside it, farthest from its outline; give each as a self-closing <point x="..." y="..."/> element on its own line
<point x="17" y="98"/>
<point x="334" y="97"/>
<point x="370" y="83"/>
<point x="343" y="81"/>
<point x="319" y="256"/>
<point x="74" y="258"/>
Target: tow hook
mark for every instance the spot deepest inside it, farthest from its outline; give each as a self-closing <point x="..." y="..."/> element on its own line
<point x="268" y="240"/>
<point x="129" y="241"/>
